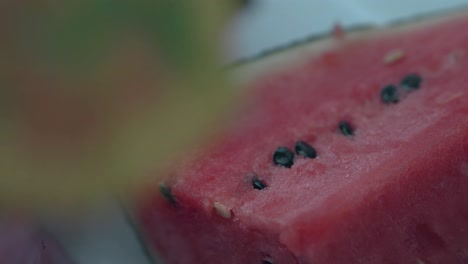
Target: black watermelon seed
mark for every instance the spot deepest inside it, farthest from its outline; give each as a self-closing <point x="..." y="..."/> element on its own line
<point x="305" y="150"/>
<point x="267" y="259"/>
<point x="411" y="81"/>
<point x="283" y="157"/>
<point x="258" y="184"/>
<point x="166" y="192"/>
<point x="389" y="94"/>
<point x="346" y="128"/>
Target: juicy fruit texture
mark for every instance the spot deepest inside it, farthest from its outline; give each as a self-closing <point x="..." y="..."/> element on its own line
<point x="389" y="183"/>
<point x="21" y="243"/>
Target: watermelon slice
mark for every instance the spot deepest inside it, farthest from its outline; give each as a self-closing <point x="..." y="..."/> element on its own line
<point x="350" y="149"/>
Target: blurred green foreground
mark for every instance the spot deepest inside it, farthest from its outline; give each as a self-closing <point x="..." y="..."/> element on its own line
<point x="97" y="95"/>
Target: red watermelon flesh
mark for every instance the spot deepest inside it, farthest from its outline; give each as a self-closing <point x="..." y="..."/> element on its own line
<point x="389" y="184"/>
<point x="23" y="243"/>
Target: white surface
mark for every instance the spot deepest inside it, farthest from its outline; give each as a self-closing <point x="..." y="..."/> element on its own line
<point x="103" y="236"/>
<point x="271" y="23"/>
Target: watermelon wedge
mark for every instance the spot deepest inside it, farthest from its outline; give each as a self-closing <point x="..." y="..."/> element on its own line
<point x="349" y="149"/>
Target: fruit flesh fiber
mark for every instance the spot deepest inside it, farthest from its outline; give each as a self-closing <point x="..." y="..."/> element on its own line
<point x="395" y="192"/>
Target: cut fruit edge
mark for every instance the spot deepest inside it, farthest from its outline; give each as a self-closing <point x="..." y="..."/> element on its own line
<point x="243" y="73"/>
<point x="293" y="54"/>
